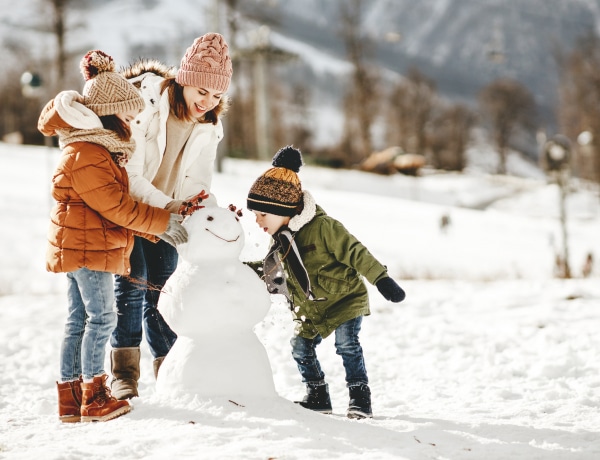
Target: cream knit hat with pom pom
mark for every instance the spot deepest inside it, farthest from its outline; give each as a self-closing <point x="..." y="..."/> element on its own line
<point x="107" y="92"/>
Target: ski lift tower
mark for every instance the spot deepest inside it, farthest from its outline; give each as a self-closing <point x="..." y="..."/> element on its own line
<point x="261" y="55"/>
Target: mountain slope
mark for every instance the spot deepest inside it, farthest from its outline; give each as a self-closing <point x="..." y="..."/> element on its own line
<point x="461" y="44"/>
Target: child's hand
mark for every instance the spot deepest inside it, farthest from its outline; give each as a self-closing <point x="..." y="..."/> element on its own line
<point x="175" y="233"/>
<point x="390" y="290"/>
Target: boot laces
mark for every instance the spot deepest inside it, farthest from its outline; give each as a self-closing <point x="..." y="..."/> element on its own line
<point x="102" y="392"/>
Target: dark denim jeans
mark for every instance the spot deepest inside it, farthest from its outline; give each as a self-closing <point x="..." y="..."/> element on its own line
<point x="137" y="298"/>
<point x="346" y="345"/>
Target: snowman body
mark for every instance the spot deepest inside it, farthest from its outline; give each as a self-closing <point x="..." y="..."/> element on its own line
<point x="213" y="301"/>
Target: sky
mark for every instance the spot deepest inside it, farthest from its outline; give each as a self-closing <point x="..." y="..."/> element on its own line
<point x="490" y="356"/>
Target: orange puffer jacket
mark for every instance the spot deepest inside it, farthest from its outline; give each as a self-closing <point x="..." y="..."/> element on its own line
<point x="94" y="220"/>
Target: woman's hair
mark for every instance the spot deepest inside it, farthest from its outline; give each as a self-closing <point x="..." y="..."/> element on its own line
<point x="114" y="123"/>
<point x="180" y="109"/>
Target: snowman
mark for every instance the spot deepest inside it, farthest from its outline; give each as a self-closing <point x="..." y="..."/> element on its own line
<point x="213" y="301"/>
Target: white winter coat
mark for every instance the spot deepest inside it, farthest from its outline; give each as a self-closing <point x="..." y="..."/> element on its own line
<point x="149" y="132"/>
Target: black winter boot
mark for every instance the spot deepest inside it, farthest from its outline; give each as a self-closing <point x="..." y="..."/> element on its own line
<point x="360" y="402"/>
<point x="317" y="398"/>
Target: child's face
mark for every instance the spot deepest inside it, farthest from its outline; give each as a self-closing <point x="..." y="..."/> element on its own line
<point x="127" y="117"/>
<point x="270" y="223"/>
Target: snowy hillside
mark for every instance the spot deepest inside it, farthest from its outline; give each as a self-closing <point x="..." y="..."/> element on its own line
<point x="460" y="44"/>
<point x="488" y="357"/>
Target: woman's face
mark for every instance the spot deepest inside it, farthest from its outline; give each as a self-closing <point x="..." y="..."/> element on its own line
<point x="270" y="223"/>
<point x="127" y="117"/>
<point x="200" y="100"/>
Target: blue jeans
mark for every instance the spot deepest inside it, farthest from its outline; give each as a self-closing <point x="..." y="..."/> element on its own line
<point x="346" y="345"/>
<point x="137" y="298"/>
<point x="90" y="321"/>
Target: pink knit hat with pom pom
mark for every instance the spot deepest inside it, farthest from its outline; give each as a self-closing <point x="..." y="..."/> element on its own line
<point x="206" y="64"/>
<point x="107" y="92"/>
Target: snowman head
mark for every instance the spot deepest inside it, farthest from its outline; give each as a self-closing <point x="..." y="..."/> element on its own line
<point x="214" y="233"/>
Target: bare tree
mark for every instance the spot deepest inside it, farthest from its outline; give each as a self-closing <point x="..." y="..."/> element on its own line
<point x="291" y="111"/>
<point x="59" y="30"/>
<point x="361" y="99"/>
<point x="409" y="111"/>
<point x="508" y="106"/>
<point x="579" y="111"/>
<point x="241" y="135"/>
<point x="55" y="24"/>
<point x="449" y="134"/>
<point x="40" y="77"/>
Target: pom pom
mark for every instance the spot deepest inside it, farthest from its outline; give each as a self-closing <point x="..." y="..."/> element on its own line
<point x="95" y="62"/>
<point x="289" y="158"/>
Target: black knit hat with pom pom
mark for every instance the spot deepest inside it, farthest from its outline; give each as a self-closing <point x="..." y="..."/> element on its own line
<point x="106" y="92"/>
<point x="279" y="191"/>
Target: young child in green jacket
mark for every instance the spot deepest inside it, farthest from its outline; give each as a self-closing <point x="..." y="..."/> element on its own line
<point x="319" y="266"/>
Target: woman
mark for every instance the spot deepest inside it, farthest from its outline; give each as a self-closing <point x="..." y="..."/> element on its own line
<point x="92" y="224"/>
<point x="176" y="144"/>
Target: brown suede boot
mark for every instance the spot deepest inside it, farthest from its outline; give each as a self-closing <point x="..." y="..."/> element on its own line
<point x="156" y="365"/>
<point x="125" y="368"/>
<point x="69" y="401"/>
<point x="97" y="404"/>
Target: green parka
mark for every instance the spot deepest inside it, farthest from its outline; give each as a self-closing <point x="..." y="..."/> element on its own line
<point x="336" y="263"/>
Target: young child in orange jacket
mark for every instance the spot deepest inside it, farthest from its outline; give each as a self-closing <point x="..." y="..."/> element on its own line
<point x="92" y="227"/>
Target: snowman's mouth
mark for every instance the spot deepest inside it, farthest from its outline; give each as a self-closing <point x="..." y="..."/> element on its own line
<point x="221" y="238"/>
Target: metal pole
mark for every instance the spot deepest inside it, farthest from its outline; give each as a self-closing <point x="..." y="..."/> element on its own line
<point x="261" y="106"/>
<point x="563" y="183"/>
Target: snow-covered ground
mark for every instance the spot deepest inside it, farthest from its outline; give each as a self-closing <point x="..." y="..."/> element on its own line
<point x="489" y="357"/>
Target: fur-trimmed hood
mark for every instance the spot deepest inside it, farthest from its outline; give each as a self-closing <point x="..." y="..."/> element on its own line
<point x="144" y="66"/>
<point x="66" y="112"/>
<point x="308" y="213"/>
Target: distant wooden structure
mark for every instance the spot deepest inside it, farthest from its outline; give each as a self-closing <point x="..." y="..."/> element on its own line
<point x="393" y="160"/>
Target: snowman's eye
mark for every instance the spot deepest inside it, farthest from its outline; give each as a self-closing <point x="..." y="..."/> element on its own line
<point x="210" y="218"/>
